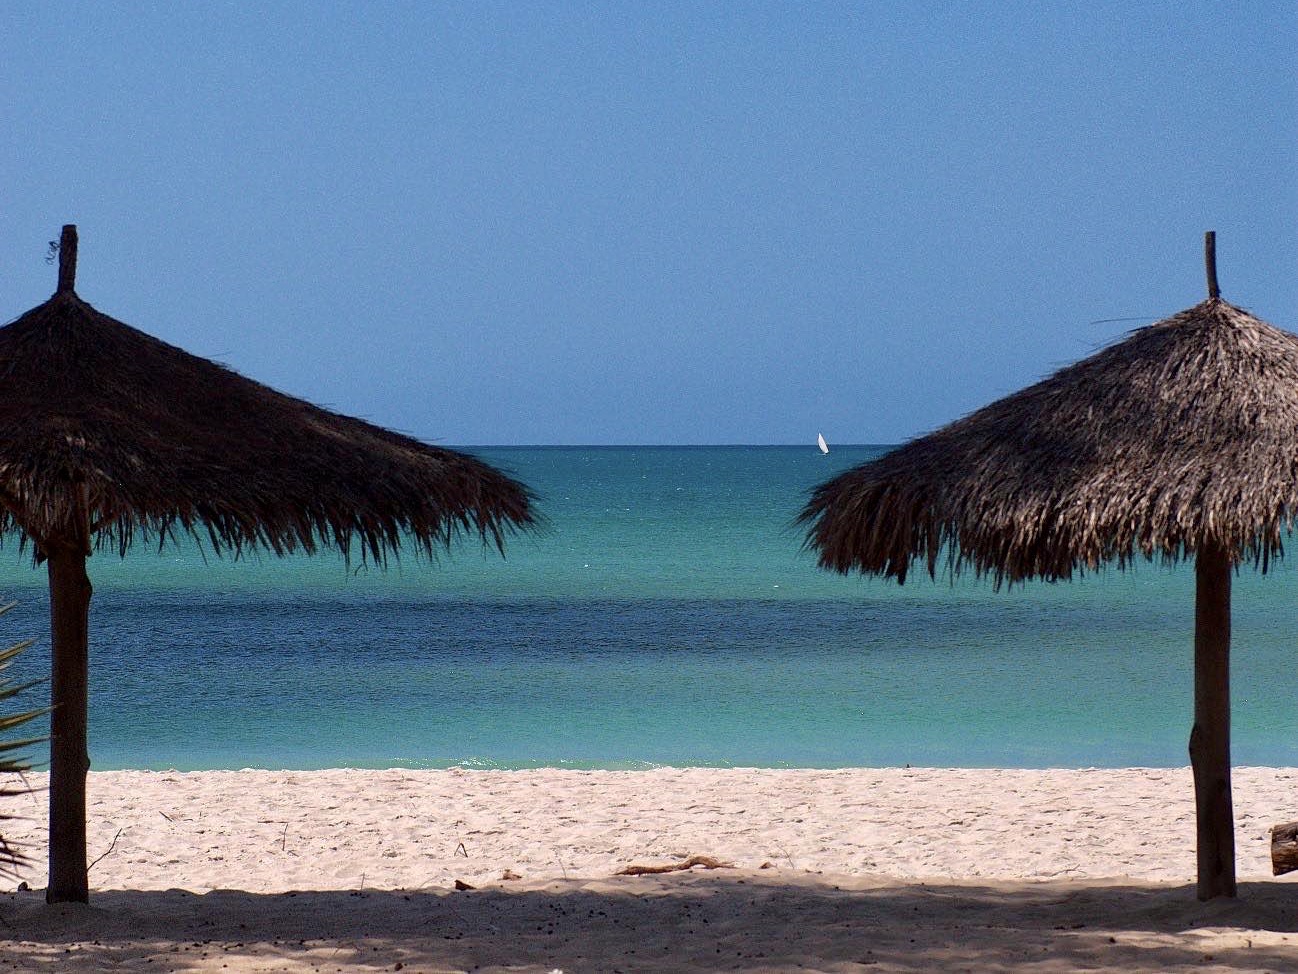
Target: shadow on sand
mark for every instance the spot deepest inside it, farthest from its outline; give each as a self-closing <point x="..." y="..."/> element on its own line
<point x="685" y="922"/>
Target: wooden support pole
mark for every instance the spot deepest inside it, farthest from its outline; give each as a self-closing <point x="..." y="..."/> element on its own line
<point x="69" y="669"/>
<point x="69" y="755"/>
<point x="1210" y="738"/>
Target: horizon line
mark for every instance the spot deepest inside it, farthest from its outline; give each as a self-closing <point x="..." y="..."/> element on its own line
<point x="642" y="446"/>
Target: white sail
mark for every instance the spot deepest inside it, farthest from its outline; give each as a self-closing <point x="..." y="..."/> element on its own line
<point x="820" y="442"/>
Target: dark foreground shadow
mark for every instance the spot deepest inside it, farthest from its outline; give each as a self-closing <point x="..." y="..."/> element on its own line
<point x="684" y="922"/>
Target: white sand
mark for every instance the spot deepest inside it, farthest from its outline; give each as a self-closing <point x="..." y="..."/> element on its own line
<point x="892" y="869"/>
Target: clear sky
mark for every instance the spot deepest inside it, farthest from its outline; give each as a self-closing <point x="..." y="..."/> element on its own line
<point x="499" y="223"/>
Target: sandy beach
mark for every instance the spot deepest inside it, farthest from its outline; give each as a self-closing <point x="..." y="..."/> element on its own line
<point x="840" y="870"/>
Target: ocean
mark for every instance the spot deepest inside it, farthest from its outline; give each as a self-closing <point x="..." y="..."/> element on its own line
<point x="665" y="614"/>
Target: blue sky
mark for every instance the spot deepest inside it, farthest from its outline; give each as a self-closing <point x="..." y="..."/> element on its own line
<point x="499" y="223"/>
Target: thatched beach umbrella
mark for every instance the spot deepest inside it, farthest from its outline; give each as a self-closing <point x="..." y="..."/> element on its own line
<point x="108" y="434"/>
<point x="1179" y="442"/>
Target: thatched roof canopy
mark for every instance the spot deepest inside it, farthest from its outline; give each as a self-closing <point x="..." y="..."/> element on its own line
<point x="1179" y="442"/>
<point x="1182" y="435"/>
<point x="159" y="441"/>
<point x="107" y="433"/>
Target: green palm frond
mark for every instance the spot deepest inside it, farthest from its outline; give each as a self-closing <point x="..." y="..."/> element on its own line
<point x="12" y="761"/>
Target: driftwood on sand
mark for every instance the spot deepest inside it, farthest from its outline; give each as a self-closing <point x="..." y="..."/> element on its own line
<point x="1284" y="848"/>
<point x="707" y="862"/>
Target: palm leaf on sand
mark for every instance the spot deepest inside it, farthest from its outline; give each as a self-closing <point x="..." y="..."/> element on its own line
<point x="12" y="761"/>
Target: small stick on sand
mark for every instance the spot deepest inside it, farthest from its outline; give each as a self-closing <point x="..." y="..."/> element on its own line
<point x="111" y="846"/>
<point x="707" y="862"/>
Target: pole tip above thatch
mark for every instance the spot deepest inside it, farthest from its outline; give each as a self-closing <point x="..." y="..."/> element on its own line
<point x="68" y="258"/>
<point x="1210" y="263"/>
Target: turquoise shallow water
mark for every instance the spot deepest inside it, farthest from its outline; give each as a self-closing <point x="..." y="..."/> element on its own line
<point x="665" y="615"/>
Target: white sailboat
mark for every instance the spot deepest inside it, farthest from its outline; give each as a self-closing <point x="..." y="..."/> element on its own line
<point x="820" y="442"/>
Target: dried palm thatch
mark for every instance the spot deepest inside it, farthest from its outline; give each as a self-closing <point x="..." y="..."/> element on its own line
<point x="1183" y="435"/>
<point x="107" y="434"/>
<point x="157" y="440"/>
<point x="1179" y="442"/>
